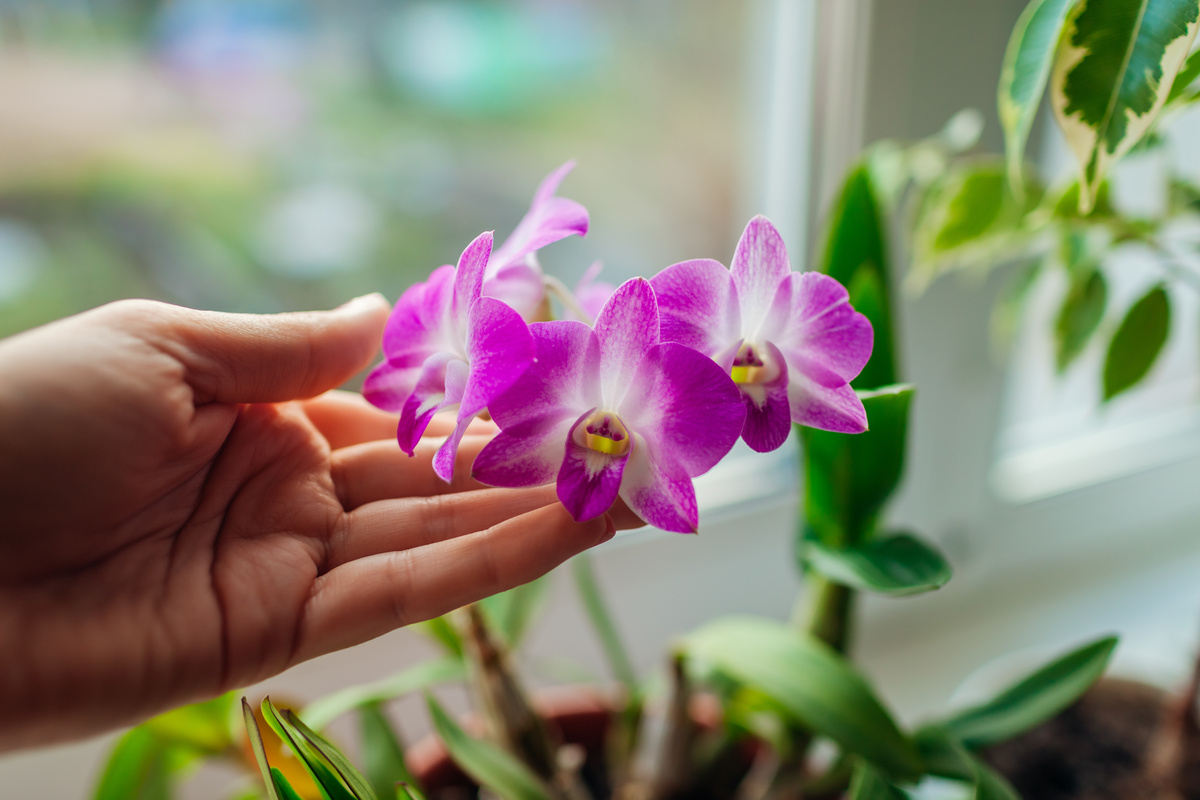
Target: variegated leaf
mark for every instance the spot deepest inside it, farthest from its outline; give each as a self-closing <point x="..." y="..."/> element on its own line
<point x="1115" y="66"/>
<point x="1023" y="76"/>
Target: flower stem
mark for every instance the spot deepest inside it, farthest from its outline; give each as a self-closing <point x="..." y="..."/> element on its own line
<point x="565" y="296"/>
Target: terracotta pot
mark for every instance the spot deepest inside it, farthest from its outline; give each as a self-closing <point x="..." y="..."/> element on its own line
<point x="576" y="715"/>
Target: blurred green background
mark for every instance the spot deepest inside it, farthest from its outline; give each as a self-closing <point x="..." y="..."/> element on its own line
<point x="267" y="155"/>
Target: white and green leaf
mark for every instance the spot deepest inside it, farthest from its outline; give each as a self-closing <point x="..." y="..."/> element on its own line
<point x="1024" y="74"/>
<point x="1115" y="67"/>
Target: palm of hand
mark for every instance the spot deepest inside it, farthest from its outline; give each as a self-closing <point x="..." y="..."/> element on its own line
<point x="166" y="543"/>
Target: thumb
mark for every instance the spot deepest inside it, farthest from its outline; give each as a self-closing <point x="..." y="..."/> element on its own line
<point x="263" y="358"/>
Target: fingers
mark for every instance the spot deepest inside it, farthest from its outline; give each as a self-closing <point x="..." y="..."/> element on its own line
<point x="374" y="471"/>
<point x="415" y="522"/>
<point x="260" y="358"/>
<point x="371" y="596"/>
<point x="345" y="419"/>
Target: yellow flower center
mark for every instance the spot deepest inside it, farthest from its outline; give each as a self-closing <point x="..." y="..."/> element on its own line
<point x="749" y="367"/>
<point x="605" y="433"/>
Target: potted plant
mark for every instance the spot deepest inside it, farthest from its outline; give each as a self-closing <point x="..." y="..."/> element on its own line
<point x="788" y="713"/>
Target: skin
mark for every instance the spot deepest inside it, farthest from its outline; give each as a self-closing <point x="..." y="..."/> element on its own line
<point x="177" y="520"/>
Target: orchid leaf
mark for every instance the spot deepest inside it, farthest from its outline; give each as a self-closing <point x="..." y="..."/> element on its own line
<point x="849" y="478"/>
<point x="895" y="565"/>
<point x="330" y="786"/>
<point x="868" y="784"/>
<point x="1034" y="699"/>
<point x="349" y="775"/>
<point x="383" y="754"/>
<point x="1079" y="316"/>
<point x="420" y="676"/>
<point x="406" y="792"/>
<point x="511" y="612"/>
<point x="946" y="757"/>
<point x="1114" y="70"/>
<point x="489" y="765"/>
<point x="260" y="753"/>
<point x="818" y="687"/>
<point x="1137" y="342"/>
<point x="856" y="244"/>
<point x="1023" y="76"/>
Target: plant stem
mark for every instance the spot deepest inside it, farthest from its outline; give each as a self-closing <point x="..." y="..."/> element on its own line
<point x="675" y="767"/>
<point x="828" y="607"/>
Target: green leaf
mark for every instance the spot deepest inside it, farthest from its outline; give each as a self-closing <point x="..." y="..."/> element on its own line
<point x="281" y="785"/>
<point x="1137" y="342"/>
<point x="947" y="757"/>
<point x="490" y="766"/>
<point x="1080" y="316"/>
<point x="1113" y="74"/>
<point x="855" y="244"/>
<point x="441" y="631"/>
<point x="868" y="784"/>
<point x="260" y="752"/>
<point x="1010" y="305"/>
<point x="404" y="792"/>
<point x="137" y="769"/>
<point x="420" y="676"/>
<point x="383" y="755"/>
<point x="349" y="775"/>
<point x="849" y="478"/>
<point x="1023" y="76"/>
<point x="819" y="688"/>
<point x="511" y="612"/>
<point x="1034" y="699"/>
<point x="896" y="565"/>
<point x="603" y="623"/>
<point x="330" y="786"/>
<point x="1183" y="80"/>
<point x="203" y="726"/>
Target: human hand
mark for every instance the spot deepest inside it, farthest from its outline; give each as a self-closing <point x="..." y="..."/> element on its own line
<point x="173" y="524"/>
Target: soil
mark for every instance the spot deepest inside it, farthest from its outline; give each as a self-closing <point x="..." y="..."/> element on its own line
<point x="1108" y="746"/>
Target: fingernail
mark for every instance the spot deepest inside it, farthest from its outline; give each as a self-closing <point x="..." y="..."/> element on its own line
<point x="610" y="529"/>
<point x="363" y="302"/>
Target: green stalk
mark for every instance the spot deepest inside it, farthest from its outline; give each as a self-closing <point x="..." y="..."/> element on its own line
<point x="626" y="733"/>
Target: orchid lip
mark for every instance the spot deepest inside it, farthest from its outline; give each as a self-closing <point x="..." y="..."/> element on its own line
<point x="752" y="365"/>
<point x="604" y="432"/>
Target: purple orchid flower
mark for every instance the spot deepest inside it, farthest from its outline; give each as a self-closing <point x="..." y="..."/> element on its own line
<point x="613" y="412"/>
<point x="790" y="340"/>
<point x="446" y="345"/>
<point x="513" y="274"/>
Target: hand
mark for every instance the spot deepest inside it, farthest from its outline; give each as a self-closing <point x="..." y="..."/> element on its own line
<point x="173" y="525"/>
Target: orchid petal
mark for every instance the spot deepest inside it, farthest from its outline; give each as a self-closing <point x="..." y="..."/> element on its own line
<point x="588" y="481"/>
<point x="698" y="306"/>
<point x="443" y="459"/>
<point x="562" y="382"/>
<point x="659" y="490"/>
<point x="427" y="398"/>
<point x="500" y="347"/>
<point x="828" y="408"/>
<point x="388" y="386"/>
<point x="415" y="328"/>
<point x="682" y="403"/>
<point x="549" y="219"/>
<point x="519" y="286"/>
<point x="760" y="263"/>
<point x="468" y="278"/>
<point x="592" y="294"/>
<point x="626" y="327"/>
<point x="768" y="411"/>
<point x="812" y="322"/>
<point x="527" y="454"/>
